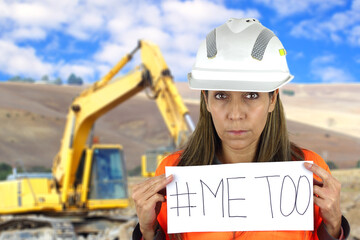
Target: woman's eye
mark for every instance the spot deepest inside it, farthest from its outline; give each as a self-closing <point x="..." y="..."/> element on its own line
<point x="220" y="96"/>
<point x="252" y="95"/>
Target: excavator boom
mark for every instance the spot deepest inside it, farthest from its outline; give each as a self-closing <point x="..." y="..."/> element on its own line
<point x="152" y="75"/>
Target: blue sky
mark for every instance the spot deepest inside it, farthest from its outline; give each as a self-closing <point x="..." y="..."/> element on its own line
<point x="57" y="38"/>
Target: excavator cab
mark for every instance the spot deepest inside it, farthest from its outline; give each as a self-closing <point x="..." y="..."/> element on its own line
<point x="102" y="169"/>
<point x="108" y="175"/>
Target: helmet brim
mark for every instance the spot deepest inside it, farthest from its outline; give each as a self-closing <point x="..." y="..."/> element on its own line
<point x="264" y="81"/>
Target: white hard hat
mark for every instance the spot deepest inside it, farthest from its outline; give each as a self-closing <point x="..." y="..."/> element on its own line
<point x="240" y="55"/>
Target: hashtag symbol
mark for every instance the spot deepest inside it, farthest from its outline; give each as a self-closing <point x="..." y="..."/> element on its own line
<point x="185" y="194"/>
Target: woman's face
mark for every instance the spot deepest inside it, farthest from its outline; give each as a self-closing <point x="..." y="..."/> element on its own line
<point x="240" y="117"/>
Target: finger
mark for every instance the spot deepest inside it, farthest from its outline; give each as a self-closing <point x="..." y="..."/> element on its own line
<point x="149" y="182"/>
<point x="324" y="204"/>
<point x="319" y="202"/>
<point x="153" y="186"/>
<point x="150" y="203"/>
<point x="319" y="192"/>
<point x="322" y="173"/>
<point x="139" y="189"/>
<point x="148" y="211"/>
<point x="146" y="206"/>
<point x="160" y="185"/>
<point x="327" y="208"/>
<point x="328" y="195"/>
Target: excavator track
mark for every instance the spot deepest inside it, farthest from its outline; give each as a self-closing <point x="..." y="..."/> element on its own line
<point x="63" y="230"/>
<point x="57" y="228"/>
<point x="36" y="228"/>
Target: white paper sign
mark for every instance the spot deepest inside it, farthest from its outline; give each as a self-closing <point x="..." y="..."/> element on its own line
<point x="240" y="197"/>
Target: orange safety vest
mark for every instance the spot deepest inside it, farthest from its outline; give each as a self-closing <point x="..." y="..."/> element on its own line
<point x="173" y="160"/>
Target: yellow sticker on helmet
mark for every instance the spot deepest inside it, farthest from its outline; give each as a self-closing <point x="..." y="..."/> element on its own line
<point x="282" y="52"/>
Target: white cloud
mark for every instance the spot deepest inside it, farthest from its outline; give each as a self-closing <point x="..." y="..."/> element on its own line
<point x="42" y="13"/>
<point x="151" y="15"/>
<point x="354" y="36"/>
<point x="119" y="24"/>
<point x="112" y="52"/>
<point x="298" y="55"/>
<point x="53" y="45"/>
<point x="176" y="26"/>
<point x="335" y="38"/>
<point x="330" y="74"/>
<point x="182" y="62"/>
<point x="158" y="36"/>
<point x="33" y="33"/>
<point x="340" y="27"/>
<point x="85" y="23"/>
<point x="307" y="29"/>
<point x="21" y="61"/>
<point x="356" y="4"/>
<point x="323" y="60"/>
<point x="199" y="16"/>
<point x="291" y="7"/>
<point x="325" y="68"/>
<point x="83" y="70"/>
<point x="79" y="19"/>
<point x="186" y="42"/>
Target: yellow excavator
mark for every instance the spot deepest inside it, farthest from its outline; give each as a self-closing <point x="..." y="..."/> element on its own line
<point x="86" y="176"/>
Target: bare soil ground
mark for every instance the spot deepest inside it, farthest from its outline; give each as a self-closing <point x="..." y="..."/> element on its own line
<point x="334" y="107"/>
<point x="33" y="117"/>
<point x="350" y="198"/>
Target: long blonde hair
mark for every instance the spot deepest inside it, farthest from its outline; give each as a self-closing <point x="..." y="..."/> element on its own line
<point x="274" y="144"/>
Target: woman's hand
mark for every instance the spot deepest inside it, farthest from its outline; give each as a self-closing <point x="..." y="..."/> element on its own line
<point x="148" y="197"/>
<point x="327" y="197"/>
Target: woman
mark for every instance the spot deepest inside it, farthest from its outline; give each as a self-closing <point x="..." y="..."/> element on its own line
<point x="239" y="69"/>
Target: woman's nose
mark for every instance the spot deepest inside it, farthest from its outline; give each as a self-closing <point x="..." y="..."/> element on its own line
<point x="237" y="110"/>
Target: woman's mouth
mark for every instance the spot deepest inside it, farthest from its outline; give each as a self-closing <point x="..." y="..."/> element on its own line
<point x="237" y="132"/>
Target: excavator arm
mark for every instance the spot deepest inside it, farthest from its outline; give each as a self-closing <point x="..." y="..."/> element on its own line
<point x="152" y="75"/>
<point x="169" y="101"/>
